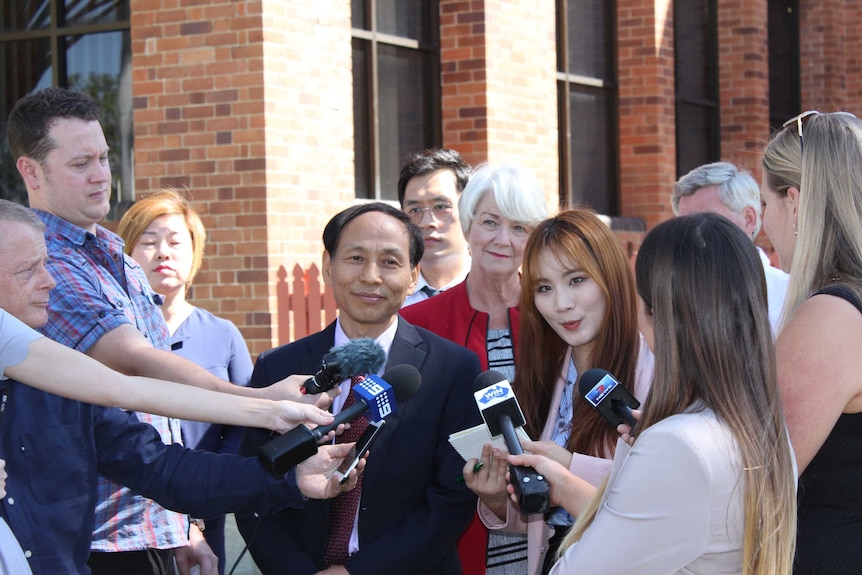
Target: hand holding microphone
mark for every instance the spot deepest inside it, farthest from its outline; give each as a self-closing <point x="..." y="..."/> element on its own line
<point x="602" y="390"/>
<point x="376" y="395"/>
<point x="566" y="489"/>
<point x="502" y="414"/>
<point x="356" y="357"/>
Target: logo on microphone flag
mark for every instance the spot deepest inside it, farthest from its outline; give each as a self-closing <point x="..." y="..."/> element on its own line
<point x="601" y="390"/>
<point x="378" y="395"/>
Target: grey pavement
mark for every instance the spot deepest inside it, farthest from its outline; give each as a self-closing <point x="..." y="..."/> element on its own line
<point x="234" y="544"/>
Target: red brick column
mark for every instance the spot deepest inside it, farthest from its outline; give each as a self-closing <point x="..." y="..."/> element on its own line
<point x="257" y="123"/>
<point x="646" y="108"/>
<point x="743" y="81"/>
<point x="499" y="97"/>
<point x="464" y="99"/>
<point x="829" y="55"/>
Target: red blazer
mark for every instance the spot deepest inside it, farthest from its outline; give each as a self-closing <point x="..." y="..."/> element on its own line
<point x="450" y="315"/>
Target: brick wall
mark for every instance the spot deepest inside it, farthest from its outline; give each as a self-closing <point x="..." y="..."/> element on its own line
<point x="237" y="112"/>
<point x="308" y="98"/>
<point x="249" y="105"/>
<point x="499" y="99"/>
<point x="646" y="108"/>
<point x="198" y="104"/>
<point x="743" y="69"/>
<point x="830" y="55"/>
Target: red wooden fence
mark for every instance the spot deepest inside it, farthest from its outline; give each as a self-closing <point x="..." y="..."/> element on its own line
<point x="304" y="305"/>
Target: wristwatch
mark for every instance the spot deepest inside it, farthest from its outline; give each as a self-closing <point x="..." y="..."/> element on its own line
<point x="199" y="522"/>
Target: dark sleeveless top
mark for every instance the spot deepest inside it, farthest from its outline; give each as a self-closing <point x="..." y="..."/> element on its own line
<point x="829" y="537"/>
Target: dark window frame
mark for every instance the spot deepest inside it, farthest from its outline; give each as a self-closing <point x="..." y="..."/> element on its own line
<point x="566" y="83"/>
<point x="374" y="39"/>
<point x="57" y="33"/>
<point x="784" y="34"/>
<point x="710" y="104"/>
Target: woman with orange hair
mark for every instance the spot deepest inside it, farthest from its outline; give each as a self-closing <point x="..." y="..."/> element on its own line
<point x="166" y="237"/>
<point x="578" y="311"/>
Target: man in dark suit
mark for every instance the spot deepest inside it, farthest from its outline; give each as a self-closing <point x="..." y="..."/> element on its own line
<point x="411" y="508"/>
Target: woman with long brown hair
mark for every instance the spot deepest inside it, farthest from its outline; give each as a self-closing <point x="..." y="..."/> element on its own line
<point x="708" y="483"/>
<point x="578" y="311"/>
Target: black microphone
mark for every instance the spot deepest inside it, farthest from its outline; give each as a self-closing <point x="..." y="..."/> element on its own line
<point x="608" y="396"/>
<point x="356" y="357"/>
<point x="502" y="414"/>
<point x="376" y="395"/>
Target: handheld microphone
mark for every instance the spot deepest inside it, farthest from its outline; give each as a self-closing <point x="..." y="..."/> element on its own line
<point x="356" y="357"/>
<point x="502" y="414"/>
<point x="376" y="395"/>
<point x="608" y="396"/>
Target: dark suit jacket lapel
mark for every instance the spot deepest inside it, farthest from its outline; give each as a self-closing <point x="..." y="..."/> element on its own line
<point x="319" y="344"/>
<point x="407" y="347"/>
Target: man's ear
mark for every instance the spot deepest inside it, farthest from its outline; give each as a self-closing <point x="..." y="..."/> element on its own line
<point x="749" y="216"/>
<point x="31" y="172"/>
<point x="414" y="277"/>
<point x="326" y="270"/>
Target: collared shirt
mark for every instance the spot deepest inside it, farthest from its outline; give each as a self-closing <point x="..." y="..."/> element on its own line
<point x="55" y="449"/>
<point x="99" y="288"/>
<point x="419" y="294"/>
<point x="776" y="289"/>
<point x="385" y="340"/>
<point x="216" y="345"/>
<point x="15" y="340"/>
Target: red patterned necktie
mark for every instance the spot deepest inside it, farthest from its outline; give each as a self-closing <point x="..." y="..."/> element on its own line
<point x="342" y="509"/>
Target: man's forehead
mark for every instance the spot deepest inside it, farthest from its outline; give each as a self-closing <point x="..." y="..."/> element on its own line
<point x="88" y="134"/>
<point x="380" y="232"/>
<point x="20" y="243"/>
<point x="374" y="245"/>
<point x="441" y="183"/>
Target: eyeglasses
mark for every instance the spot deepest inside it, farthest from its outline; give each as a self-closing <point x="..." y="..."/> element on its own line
<point x="441" y="212"/>
<point x="800" y="119"/>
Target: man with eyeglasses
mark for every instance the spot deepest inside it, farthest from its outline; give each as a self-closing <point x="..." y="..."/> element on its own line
<point x="428" y="189"/>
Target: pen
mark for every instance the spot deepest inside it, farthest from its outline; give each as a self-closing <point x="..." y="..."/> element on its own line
<point x="476" y="468"/>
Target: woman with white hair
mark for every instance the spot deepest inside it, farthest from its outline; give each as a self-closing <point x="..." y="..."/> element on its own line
<point x="498" y="209"/>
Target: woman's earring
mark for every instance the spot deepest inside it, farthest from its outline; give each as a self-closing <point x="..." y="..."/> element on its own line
<point x="794" y="229"/>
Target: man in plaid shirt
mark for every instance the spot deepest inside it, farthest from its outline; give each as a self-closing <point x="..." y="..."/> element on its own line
<point x="104" y="307"/>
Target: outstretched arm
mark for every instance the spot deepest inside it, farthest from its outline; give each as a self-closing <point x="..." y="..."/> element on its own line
<point x="57" y="369"/>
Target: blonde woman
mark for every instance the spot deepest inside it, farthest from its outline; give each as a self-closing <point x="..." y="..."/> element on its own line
<point x="812" y="198"/>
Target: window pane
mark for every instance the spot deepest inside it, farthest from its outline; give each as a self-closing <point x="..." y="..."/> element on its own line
<point x="361" y="130"/>
<point x="694" y="40"/>
<point x="592" y="153"/>
<point x="406" y="18"/>
<point x="358" y="14"/>
<point x="588" y="38"/>
<point x="100" y="65"/>
<point x="405" y="124"/>
<point x="784" y="97"/>
<point x="20" y="15"/>
<point x="695" y="137"/>
<point x="96" y="11"/>
<point x="24" y="66"/>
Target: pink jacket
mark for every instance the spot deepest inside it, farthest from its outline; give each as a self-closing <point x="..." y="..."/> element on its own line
<point x="591" y="469"/>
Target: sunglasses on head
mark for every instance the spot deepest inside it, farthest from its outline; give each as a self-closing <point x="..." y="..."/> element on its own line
<point x="800" y="120"/>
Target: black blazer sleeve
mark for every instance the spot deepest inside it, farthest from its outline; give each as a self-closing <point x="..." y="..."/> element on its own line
<point x="277" y="542"/>
<point x="418" y="474"/>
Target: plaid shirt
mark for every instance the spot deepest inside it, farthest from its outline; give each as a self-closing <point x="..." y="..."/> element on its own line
<point x="99" y="288"/>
